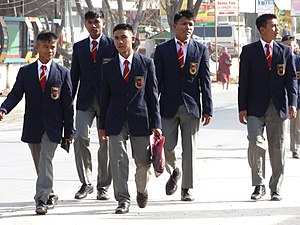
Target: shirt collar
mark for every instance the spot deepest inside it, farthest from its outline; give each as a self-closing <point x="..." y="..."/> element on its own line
<point x="122" y="59"/>
<point x="187" y="40"/>
<point x="48" y="64"/>
<point x="98" y="39"/>
<point x="264" y="43"/>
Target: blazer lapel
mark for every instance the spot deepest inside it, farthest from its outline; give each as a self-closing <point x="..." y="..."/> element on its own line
<point x="173" y="52"/>
<point x="189" y="55"/>
<point x="87" y="49"/>
<point x="277" y="53"/>
<point x="52" y="72"/>
<point x="36" y="75"/>
<point x="101" y="46"/>
<point x="136" y="63"/>
<point x="261" y="55"/>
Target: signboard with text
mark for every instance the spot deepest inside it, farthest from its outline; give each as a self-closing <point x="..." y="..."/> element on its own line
<point x="227" y="7"/>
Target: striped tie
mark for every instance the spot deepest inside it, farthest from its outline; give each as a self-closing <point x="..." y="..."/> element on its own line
<point x="126" y="71"/>
<point x="94" y="50"/>
<point x="43" y="76"/>
<point x="180" y="54"/>
<point x="268" y="55"/>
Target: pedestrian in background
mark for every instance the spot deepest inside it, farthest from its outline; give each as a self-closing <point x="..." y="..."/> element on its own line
<point x="136" y="45"/>
<point x="86" y="73"/>
<point x="267" y="96"/>
<point x="223" y="74"/>
<point x="295" y="123"/>
<point x="182" y="70"/>
<point x="48" y="113"/>
<point x="129" y="110"/>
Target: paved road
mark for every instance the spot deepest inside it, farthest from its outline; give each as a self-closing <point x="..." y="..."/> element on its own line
<point x="222" y="187"/>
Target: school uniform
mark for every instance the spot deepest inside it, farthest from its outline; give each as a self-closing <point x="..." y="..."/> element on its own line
<point x="265" y="93"/>
<point x="185" y="95"/>
<point x="86" y="74"/>
<point x="129" y="111"/>
<point x="48" y="116"/>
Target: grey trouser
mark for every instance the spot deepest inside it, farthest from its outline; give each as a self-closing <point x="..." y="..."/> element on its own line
<point x="44" y="183"/>
<point x="295" y="133"/>
<point x="120" y="163"/>
<point x="276" y="129"/>
<point x="189" y="128"/>
<point x="83" y="158"/>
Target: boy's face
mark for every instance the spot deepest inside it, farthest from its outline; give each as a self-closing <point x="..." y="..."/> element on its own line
<point x="184" y="28"/>
<point x="95" y="26"/>
<point x="270" y="32"/>
<point x="46" y="50"/>
<point x="123" y="40"/>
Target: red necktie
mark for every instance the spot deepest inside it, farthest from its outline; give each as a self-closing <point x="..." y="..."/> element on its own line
<point x="43" y="76"/>
<point x="180" y="53"/>
<point x="126" y="71"/>
<point x="268" y="56"/>
<point x="94" y="50"/>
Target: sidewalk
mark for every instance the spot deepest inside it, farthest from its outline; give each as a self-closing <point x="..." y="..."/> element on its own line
<point x="222" y="186"/>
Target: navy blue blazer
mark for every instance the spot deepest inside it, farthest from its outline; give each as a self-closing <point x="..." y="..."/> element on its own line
<point x="50" y="111"/>
<point x="258" y="85"/>
<point x="185" y="86"/>
<point x="86" y="73"/>
<point x="136" y="102"/>
<point x="297" y="64"/>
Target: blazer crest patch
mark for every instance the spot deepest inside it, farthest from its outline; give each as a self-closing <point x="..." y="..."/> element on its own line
<point x="55" y="93"/>
<point x="298" y="74"/>
<point x="139" y="81"/>
<point x="105" y="60"/>
<point x="280" y="69"/>
<point x="193" y="68"/>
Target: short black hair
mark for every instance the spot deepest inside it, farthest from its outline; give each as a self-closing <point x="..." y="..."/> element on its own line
<point x="262" y="20"/>
<point x="123" y="26"/>
<point x="183" y="13"/>
<point x="91" y="14"/>
<point x="136" y="43"/>
<point x="288" y="37"/>
<point x="46" y="35"/>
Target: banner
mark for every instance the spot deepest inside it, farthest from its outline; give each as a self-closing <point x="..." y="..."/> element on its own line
<point x="206" y="14"/>
<point x="295" y="9"/>
<point x="265" y="6"/>
<point x="227" y="7"/>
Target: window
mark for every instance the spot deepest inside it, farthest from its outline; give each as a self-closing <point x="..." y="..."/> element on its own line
<point x="204" y="31"/>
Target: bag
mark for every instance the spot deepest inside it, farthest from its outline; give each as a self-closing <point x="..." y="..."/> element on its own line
<point x="158" y="155"/>
<point x="65" y="145"/>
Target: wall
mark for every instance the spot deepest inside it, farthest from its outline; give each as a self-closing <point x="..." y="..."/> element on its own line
<point x="8" y="74"/>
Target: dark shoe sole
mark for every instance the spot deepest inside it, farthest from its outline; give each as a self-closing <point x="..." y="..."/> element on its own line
<point x="40" y="211"/>
<point x="84" y="196"/>
<point x="187" y="199"/>
<point x="102" y="197"/>
<point x="257" y="197"/>
<point x="171" y="185"/>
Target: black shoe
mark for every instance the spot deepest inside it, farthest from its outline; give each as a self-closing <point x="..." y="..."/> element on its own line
<point x="142" y="199"/>
<point x="259" y="191"/>
<point x="171" y="185"/>
<point x="41" y="208"/>
<point x="186" y="195"/>
<point x="52" y="201"/>
<point x="102" y="195"/>
<point x="275" y="196"/>
<point x="296" y="155"/>
<point x="84" y="191"/>
<point x="122" y="208"/>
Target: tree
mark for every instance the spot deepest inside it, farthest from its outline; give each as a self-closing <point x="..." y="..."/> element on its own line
<point x="173" y="6"/>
